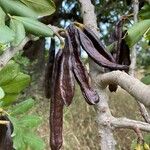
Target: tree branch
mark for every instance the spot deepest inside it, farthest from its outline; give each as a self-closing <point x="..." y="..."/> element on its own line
<point x="136" y="88"/>
<point x="144" y="112"/>
<point x="10" y="52"/>
<point x="129" y="124"/>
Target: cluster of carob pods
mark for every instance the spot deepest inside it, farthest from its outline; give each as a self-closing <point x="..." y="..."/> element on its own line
<point x="66" y="66"/>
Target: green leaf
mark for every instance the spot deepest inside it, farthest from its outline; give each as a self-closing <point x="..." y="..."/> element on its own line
<point x="23" y="135"/>
<point x="9" y="72"/>
<point x="146" y="79"/>
<point x="41" y="7"/>
<point x="6" y="35"/>
<point x="18" y="134"/>
<point x="34" y="142"/>
<point x="18" y="84"/>
<point x="2" y="94"/>
<point x="35" y="27"/>
<point x="15" y="7"/>
<point x="19" y="30"/>
<point x="147" y="34"/>
<point x="8" y="99"/>
<point x="22" y="107"/>
<point x="136" y="32"/>
<point x="145" y="12"/>
<point x="2" y="17"/>
<point x="30" y="121"/>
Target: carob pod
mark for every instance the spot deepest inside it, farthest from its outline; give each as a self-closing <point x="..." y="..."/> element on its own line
<point x="80" y="71"/>
<point x="116" y="36"/>
<point x="56" y="107"/>
<point x="96" y="41"/>
<point x="6" y="142"/>
<point x="122" y="50"/>
<point x="125" y="54"/>
<point x="67" y="84"/>
<point x="49" y="69"/>
<point x="73" y="35"/>
<point x="88" y="46"/>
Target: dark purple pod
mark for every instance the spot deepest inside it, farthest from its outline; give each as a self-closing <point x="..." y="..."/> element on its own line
<point x="56" y="107"/>
<point x="67" y="84"/>
<point x="99" y="46"/>
<point x="88" y="46"/>
<point x="80" y="71"/>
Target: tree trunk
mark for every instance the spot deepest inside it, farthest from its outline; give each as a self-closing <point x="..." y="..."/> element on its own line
<point x="107" y="141"/>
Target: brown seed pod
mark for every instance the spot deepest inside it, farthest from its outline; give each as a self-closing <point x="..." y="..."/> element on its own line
<point x="96" y="42"/>
<point x="56" y="107"/>
<point x="88" y="46"/>
<point x="67" y="84"/>
<point x="80" y="71"/>
<point x="122" y="51"/>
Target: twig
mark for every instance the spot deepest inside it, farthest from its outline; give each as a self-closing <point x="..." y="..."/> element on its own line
<point x="129" y="124"/>
<point x="10" y="52"/>
<point x="4" y="122"/>
<point x="144" y="112"/>
<point x="140" y="139"/>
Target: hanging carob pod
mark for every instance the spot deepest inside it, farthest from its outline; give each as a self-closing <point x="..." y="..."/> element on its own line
<point x="122" y="51"/>
<point x="6" y="130"/>
<point x="56" y="106"/>
<point x="73" y="36"/>
<point x="96" y="41"/>
<point x="80" y="71"/>
<point x="125" y="54"/>
<point x="88" y="46"/>
<point x="67" y="83"/>
<point x="49" y="69"/>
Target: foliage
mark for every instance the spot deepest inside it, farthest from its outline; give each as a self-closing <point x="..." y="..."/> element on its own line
<point x="12" y="82"/>
<point x="144" y="13"/>
<point x="24" y="127"/>
<point x="23" y="17"/>
<point x="146" y="79"/>
<point x="146" y="140"/>
<point x="19" y="31"/>
<point x="41" y="7"/>
<point x="33" y="26"/>
<point x="136" y="32"/>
